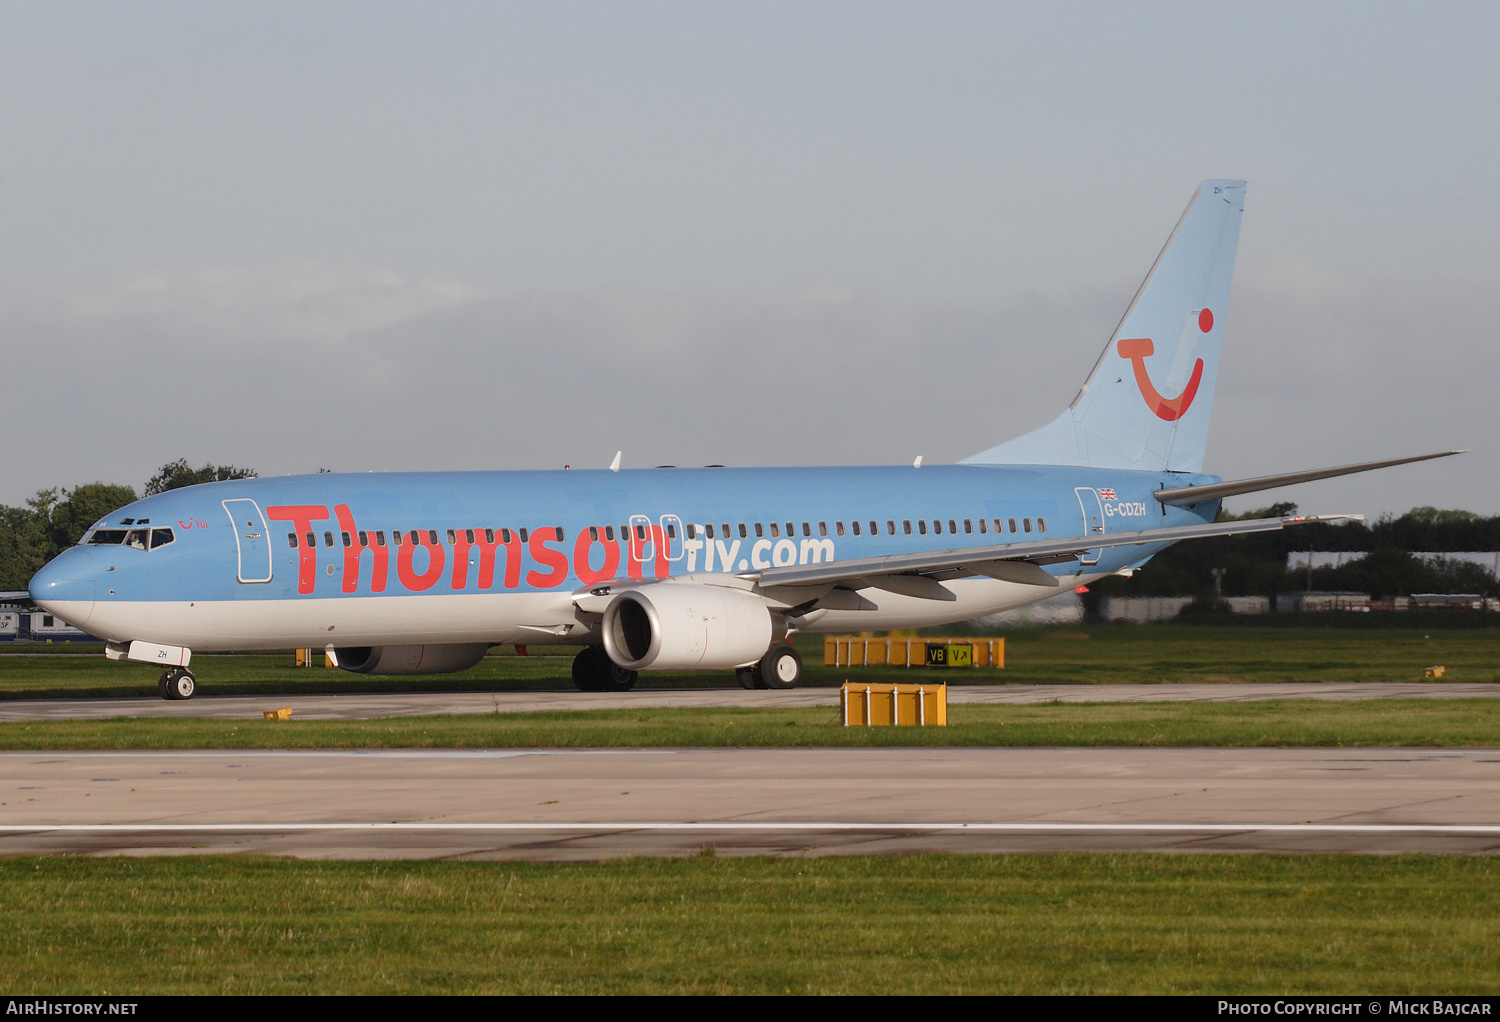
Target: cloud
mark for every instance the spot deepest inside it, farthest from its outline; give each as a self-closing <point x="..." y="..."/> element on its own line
<point x="360" y="368"/>
<point x="290" y="301"/>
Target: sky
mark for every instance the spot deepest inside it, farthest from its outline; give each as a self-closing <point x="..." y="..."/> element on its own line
<point x="376" y="237"/>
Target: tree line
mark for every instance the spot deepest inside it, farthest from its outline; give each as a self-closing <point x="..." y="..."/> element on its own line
<point x="1256" y="564"/>
<point x="57" y="518"/>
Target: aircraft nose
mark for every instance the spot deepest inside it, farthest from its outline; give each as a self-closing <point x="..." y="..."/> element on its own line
<point x="65" y="586"/>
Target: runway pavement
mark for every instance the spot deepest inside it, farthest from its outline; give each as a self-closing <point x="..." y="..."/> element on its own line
<point x="571" y="804"/>
<point x="359" y="706"/>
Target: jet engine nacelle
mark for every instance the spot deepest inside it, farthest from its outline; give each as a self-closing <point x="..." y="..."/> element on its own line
<point x="684" y="626"/>
<point x="427" y="659"/>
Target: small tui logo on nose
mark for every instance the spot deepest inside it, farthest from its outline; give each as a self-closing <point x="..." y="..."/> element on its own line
<point x="1137" y="349"/>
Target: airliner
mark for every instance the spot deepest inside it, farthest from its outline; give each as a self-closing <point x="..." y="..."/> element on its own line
<point x="690" y="568"/>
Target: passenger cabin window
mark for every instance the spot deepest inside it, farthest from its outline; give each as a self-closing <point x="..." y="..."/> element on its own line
<point x="806" y="529"/>
<point x="875" y="529"/>
<point x="937" y="527"/>
<point x="906" y="526"/>
<point x="692" y="531"/>
<point x="759" y="532"/>
<point x="469" y="536"/>
<point x="291" y="540"/>
<point x="609" y="532"/>
<point x="744" y="532"/>
<point x="968" y="526"/>
<point x="328" y="539"/>
<point x="775" y="530"/>
<point x="838" y="527"/>
<point x="380" y="537"/>
<point x="453" y="537"/>
<point x="432" y="536"/>
<point x="1041" y="525"/>
<point x="346" y="539"/>
<point x="822" y="528"/>
<point x="1012" y="525"/>
<point x="708" y="530"/>
<point x="505" y="535"/>
<point x="311" y="539"/>
<point x="522" y="534"/>
<point x="952" y="527"/>
<point x="558" y="532"/>
<point x="593" y="533"/>
<point x="982" y="529"/>
<point x="791" y="530"/>
<point x="922" y="526"/>
<point x="396" y="537"/>
<point x="1027" y="523"/>
<point x="890" y="527"/>
<point x="727" y="533"/>
<point x="855" y="526"/>
<point x="364" y="539"/>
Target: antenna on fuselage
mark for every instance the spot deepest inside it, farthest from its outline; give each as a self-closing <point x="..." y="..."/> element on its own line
<point x="614" y="466"/>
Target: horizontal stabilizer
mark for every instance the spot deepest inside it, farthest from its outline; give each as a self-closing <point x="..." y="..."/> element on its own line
<point x="1184" y="495"/>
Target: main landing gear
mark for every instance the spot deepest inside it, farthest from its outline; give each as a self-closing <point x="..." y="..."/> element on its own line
<point x="177" y="683"/>
<point x="594" y="671"/>
<point x="780" y="668"/>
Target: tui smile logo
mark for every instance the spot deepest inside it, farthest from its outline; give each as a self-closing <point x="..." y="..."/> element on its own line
<point x="1137" y="349"/>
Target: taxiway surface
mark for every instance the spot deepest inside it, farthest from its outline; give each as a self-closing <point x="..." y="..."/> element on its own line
<point x="590" y="804"/>
<point x="364" y="706"/>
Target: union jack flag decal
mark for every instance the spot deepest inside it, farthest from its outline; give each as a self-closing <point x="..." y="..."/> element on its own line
<point x="1107" y="494"/>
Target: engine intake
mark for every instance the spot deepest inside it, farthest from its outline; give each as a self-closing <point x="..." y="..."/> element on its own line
<point x="427" y="659"/>
<point x="683" y="626"/>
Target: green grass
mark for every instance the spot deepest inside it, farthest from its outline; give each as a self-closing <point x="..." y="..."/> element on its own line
<point x="1099" y="654"/>
<point x="1290" y="723"/>
<point x="1080" y="923"/>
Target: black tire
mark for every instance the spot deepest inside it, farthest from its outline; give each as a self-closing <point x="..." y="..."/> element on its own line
<point x="781" y="668"/>
<point x="594" y="671"/>
<point x="747" y="677"/>
<point x="179" y="684"/>
<point x="161" y="686"/>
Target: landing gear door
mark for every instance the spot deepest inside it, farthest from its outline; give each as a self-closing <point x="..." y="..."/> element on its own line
<point x="1093" y="519"/>
<point x="252" y="539"/>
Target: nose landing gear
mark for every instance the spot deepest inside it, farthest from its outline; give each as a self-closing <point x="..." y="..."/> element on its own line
<point x="177" y="683"/>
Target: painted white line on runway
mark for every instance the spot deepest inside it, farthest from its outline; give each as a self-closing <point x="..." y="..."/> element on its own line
<point x="1286" y="828"/>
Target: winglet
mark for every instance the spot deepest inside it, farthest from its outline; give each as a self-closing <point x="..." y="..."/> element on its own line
<point x="614" y="466"/>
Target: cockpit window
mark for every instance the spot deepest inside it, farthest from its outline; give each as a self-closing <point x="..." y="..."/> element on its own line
<point x="140" y="539"/>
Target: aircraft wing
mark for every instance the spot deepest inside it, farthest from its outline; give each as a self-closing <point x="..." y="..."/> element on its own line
<point x="1013" y="562"/>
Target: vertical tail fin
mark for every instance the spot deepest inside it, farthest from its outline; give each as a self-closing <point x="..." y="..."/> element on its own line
<point x="1146" y="404"/>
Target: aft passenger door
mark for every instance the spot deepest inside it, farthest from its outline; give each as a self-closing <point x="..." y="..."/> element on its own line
<point x="1093" y="519"/>
<point x="252" y="539"/>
